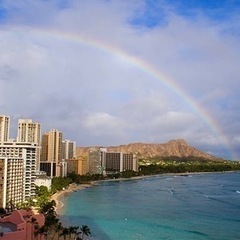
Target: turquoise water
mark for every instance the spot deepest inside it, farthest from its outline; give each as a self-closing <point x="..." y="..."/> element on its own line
<point x="200" y="206"/>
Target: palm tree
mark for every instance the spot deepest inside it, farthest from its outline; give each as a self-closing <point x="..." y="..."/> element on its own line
<point x="65" y="232"/>
<point x="49" y="208"/>
<point x="85" y="231"/>
<point x="59" y="228"/>
<point x="72" y="230"/>
<point x="42" y="231"/>
<point x="56" y="227"/>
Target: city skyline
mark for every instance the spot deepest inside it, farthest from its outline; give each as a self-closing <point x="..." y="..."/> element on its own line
<point x="115" y="72"/>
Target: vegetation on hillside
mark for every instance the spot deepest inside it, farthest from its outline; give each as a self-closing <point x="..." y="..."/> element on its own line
<point x="183" y="165"/>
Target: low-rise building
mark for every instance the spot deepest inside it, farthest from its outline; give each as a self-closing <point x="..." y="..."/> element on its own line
<point x="43" y="180"/>
<point x="21" y="225"/>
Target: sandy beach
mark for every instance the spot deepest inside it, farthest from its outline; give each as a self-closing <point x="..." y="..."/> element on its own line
<point x="70" y="189"/>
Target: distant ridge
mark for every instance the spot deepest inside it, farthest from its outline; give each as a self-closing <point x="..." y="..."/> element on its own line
<point x="178" y="148"/>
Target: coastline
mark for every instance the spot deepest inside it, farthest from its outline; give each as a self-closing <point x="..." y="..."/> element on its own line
<point x="77" y="187"/>
<point x="196" y="193"/>
<point x="66" y="192"/>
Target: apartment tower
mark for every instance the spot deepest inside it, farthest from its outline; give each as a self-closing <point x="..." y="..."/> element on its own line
<point x="69" y="149"/>
<point x="4" y="128"/>
<point x="18" y="161"/>
<point x="51" y="152"/>
<point x="120" y="162"/>
<point x="17" y="169"/>
<point x="95" y="160"/>
<point x="29" y="132"/>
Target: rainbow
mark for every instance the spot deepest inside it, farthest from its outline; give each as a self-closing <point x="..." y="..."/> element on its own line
<point x="140" y="64"/>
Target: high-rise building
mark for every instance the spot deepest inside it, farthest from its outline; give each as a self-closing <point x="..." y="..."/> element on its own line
<point x="11" y="181"/>
<point x="95" y="160"/>
<point x="69" y="149"/>
<point x="52" y="146"/>
<point x="4" y="128"/>
<point x="102" y="162"/>
<point x="18" y="166"/>
<point x="29" y="132"/>
<point x="51" y="151"/>
<point x="120" y="162"/>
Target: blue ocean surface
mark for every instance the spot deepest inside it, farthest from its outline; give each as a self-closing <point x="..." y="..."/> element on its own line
<point x="197" y="206"/>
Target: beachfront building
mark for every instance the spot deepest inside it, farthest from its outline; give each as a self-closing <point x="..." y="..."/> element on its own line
<point x="101" y="161"/>
<point x="95" y="160"/>
<point x="30" y="132"/>
<point x="79" y="166"/>
<point x="49" y="167"/>
<point x="43" y="180"/>
<point x="120" y="162"/>
<point x="4" y="128"/>
<point x="18" y="167"/>
<point x="21" y="225"/>
<point x="69" y="149"/>
<point x="51" y="152"/>
<point x="11" y="181"/>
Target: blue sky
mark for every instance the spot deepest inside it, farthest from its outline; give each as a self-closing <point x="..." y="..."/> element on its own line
<point x="154" y="12"/>
<point x="95" y="93"/>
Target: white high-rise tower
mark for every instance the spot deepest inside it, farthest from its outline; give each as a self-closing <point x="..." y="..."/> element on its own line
<point x="28" y="132"/>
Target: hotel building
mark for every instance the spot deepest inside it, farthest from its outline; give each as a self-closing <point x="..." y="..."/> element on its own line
<point x="4" y="128"/>
<point x="79" y="166"/>
<point x="120" y="162"/>
<point x="17" y="169"/>
<point x="69" y="149"/>
<point x="29" y="132"/>
<point x="51" y="153"/>
<point x="95" y="160"/>
<point x="101" y="161"/>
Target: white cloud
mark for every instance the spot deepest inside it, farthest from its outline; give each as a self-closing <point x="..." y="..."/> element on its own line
<point x="97" y="96"/>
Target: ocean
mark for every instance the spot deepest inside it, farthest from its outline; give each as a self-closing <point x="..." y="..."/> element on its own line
<point x="194" y="206"/>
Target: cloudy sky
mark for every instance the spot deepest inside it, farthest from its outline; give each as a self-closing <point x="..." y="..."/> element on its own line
<point x="110" y="72"/>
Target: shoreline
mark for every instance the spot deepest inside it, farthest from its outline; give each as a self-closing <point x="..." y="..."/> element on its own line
<point x="73" y="187"/>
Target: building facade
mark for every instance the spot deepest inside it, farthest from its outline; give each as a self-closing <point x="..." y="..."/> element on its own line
<point x="23" y="225"/>
<point x="95" y="160"/>
<point x="103" y="162"/>
<point x="69" y="149"/>
<point x="4" y="128"/>
<point x="51" y="151"/>
<point x="18" y="164"/>
<point x="12" y="181"/>
<point x="52" y="146"/>
<point x="43" y="180"/>
<point x="30" y="132"/>
<point x="120" y="162"/>
<point x="79" y="166"/>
